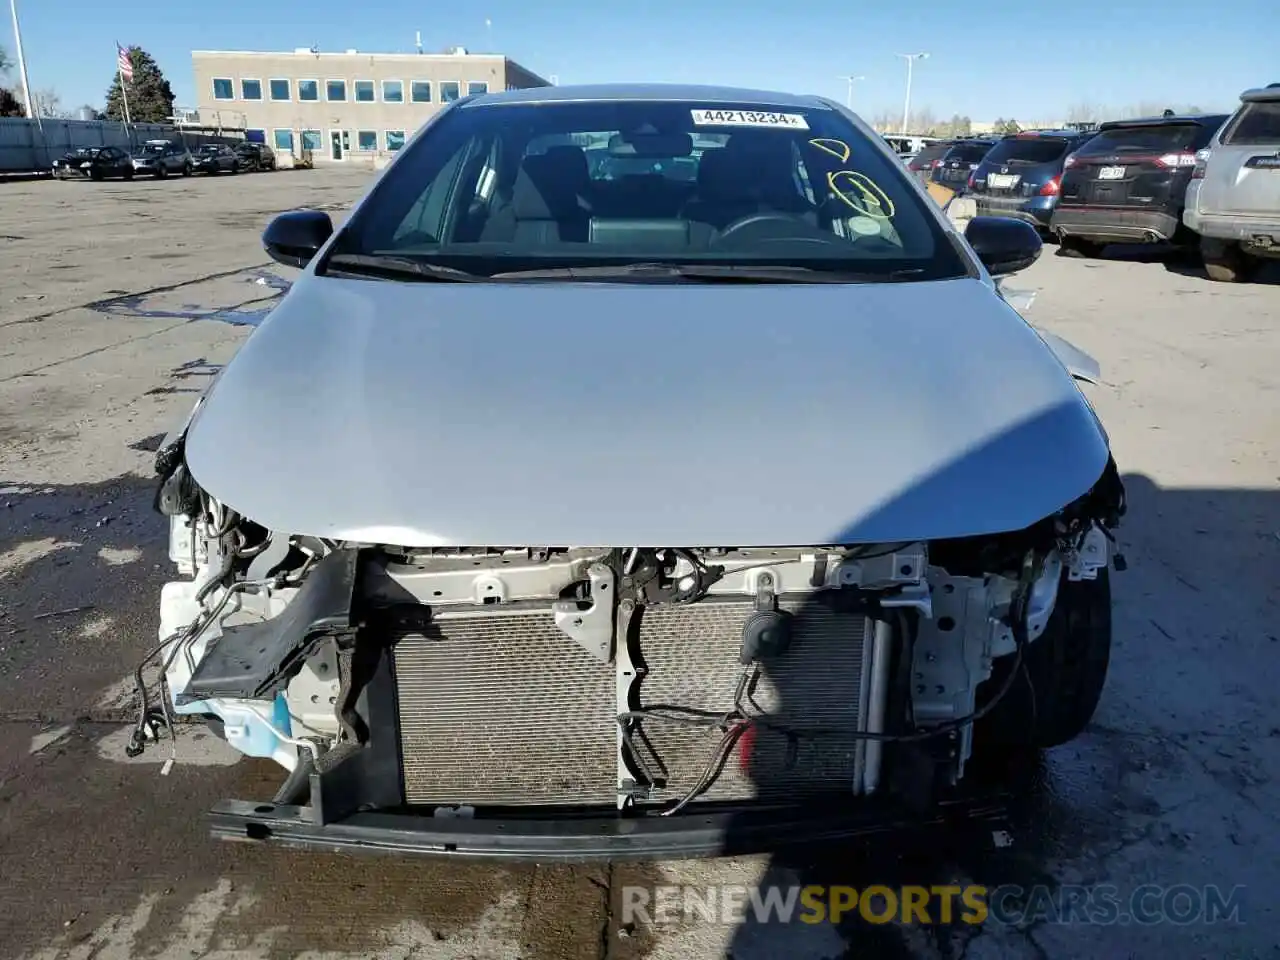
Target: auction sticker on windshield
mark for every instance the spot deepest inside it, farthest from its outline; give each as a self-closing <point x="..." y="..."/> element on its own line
<point x="748" y="118"/>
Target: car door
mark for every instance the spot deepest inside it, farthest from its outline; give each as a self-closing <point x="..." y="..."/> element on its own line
<point x="1242" y="173"/>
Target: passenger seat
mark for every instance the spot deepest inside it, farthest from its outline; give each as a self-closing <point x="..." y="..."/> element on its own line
<point x="548" y="200"/>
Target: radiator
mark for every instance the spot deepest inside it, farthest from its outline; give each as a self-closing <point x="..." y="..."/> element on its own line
<point x="502" y="708"/>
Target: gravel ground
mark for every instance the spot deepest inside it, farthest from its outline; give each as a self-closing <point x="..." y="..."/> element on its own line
<point x="120" y="301"/>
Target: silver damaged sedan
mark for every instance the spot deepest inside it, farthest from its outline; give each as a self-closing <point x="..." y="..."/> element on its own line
<point x="640" y="471"/>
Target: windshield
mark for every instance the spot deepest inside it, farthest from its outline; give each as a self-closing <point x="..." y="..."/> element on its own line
<point x="968" y="152"/>
<point x="85" y="152"/>
<point x="930" y="154"/>
<point x="1257" y="123"/>
<point x="1017" y="150"/>
<point x="155" y="148"/>
<point x="496" y="187"/>
<point x="1153" y="139"/>
<point x="210" y="148"/>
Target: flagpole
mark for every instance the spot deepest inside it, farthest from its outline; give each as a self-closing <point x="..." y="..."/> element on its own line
<point x="32" y="112"/>
<point x="123" y="93"/>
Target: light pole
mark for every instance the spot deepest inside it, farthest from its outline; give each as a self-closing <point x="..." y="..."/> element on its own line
<point x="911" y="59"/>
<point x="849" y="97"/>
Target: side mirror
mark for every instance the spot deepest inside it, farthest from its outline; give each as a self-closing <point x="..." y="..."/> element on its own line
<point x="294" y="238"/>
<point x="1003" y="244"/>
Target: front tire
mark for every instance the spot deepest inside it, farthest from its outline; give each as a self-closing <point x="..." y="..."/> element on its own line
<point x="1067" y="669"/>
<point x="1225" y="262"/>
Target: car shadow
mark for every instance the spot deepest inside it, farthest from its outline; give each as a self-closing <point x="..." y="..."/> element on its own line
<point x="1184" y="262"/>
<point x="1194" y="645"/>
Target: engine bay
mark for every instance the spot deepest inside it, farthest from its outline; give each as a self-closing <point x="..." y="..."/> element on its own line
<point x="644" y="679"/>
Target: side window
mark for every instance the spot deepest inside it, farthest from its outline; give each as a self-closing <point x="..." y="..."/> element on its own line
<point x="801" y="175"/>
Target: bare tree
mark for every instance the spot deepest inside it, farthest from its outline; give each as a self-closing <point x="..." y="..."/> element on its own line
<point x="922" y="122"/>
<point x="49" y="103"/>
<point x="885" y="121"/>
<point x="1085" y="111"/>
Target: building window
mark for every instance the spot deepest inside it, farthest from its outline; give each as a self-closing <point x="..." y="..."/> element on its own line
<point x="280" y="90"/>
<point x="255" y="136"/>
<point x="251" y="89"/>
<point x="308" y="89"/>
<point x="364" y="91"/>
<point x="477" y="87"/>
<point x="335" y="91"/>
<point x="310" y="139"/>
<point x="284" y="140"/>
<point x="223" y="88"/>
<point x="449" y="91"/>
<point x="392" y="91"/>
<point x="420" y="91"/>
<point x="395" y="140"/>
<point x="367" y="139"/>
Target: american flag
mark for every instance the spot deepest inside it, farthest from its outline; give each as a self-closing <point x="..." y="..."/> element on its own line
<point x="124" y="63"/>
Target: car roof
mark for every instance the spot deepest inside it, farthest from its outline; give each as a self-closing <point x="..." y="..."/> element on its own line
<point x="648" y="91"/>
<point x="1196" y="119"/>
<point x="1261" y="94"/>
<point x="1032" y="134"/>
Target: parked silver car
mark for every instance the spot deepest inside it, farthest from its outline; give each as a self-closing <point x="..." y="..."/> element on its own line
<point x="159" y="158"/>
<point x="554" y="515"/>
<point x="1233" y="201"/>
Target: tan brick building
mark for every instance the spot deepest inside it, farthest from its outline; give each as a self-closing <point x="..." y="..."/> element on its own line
<point x="341" y="107"/>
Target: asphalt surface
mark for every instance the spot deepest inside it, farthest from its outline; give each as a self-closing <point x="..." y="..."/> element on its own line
<point x="119" y="301"/>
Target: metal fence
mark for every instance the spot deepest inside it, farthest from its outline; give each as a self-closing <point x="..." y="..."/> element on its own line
<point x="28" y="146"/>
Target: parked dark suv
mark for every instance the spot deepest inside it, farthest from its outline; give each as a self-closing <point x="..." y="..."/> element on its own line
<point x="924" y="162"/>
<point x="961" y="160"/>
<point x="255" y="156"/>
<point x="1129" y="183"/>
<point x="1021" y="176"/>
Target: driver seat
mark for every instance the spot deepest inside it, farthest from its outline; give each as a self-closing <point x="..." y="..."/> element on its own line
<point x="749" y="175"/>
<point x="723" y="192"/>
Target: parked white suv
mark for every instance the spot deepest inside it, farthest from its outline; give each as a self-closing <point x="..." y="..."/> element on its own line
<point x="1233" y="201"/>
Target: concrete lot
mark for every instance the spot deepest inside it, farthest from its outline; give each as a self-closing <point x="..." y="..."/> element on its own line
<point x="119" y="301"/>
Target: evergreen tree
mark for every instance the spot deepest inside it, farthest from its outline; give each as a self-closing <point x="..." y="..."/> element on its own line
<point x="150" y="96"/>
<point x="10" y="106"/>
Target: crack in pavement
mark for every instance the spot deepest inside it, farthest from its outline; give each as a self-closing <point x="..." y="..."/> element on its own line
<point x="90" y="353"/>
<point x="166" y="288"/>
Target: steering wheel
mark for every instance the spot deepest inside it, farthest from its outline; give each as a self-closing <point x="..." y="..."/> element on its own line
<point x="751" y="220"/>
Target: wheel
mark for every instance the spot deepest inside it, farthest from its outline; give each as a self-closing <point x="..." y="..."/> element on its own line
<point x="1225" y="262"/>
<point x="1067" y="669"/>
<point x="186" y="169"/>
<point x="128" y="174"/>
<point x="235" y="168"/>
<point x="161" y="172"/>
<point x="95" y="174"/>
<point x="1079" y="248"/>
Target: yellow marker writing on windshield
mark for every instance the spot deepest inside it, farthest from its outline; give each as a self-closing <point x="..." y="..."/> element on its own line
<point x="861" y="193"/>
<point x="837" y="148"/>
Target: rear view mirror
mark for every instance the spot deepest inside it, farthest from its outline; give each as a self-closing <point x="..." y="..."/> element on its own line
<point x="1003" y="244"/>
<point x="658" y="146"/>
<point x="294" y="238"/>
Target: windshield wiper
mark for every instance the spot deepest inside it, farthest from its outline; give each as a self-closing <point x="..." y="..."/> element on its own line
<point x="708" y="272"/>
<point x="386" y="266"/>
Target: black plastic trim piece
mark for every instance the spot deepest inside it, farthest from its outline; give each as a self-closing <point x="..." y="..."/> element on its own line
<point x="570" y="840"/>
<point x="252" y="661"/>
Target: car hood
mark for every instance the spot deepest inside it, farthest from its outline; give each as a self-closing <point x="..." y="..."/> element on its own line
<point x="626" y="414"/>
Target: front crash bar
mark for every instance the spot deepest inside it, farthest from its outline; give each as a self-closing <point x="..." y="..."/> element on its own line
<point x="568" y="840"/>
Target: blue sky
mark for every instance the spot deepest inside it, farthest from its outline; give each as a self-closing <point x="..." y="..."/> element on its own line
<point x="988" y="59"/>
